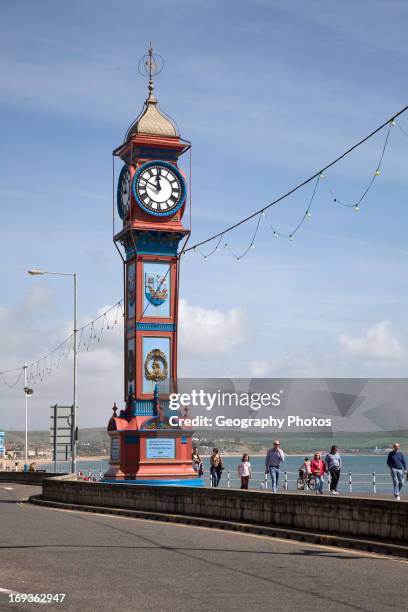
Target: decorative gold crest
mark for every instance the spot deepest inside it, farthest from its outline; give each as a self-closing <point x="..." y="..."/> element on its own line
<point x="155" y="366"/>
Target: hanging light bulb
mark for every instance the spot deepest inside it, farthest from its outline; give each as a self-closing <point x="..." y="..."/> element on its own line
<point x="377" y="172"/>
<point x="291" y="237"/>
<point x="252" y="245"/>
<point x="393" y="122"/>
<point x="308" y="214"/>
<point x="238" y="259"/>
<point x="205" y="257"/>
<point x="195" y="248"/>
<point x="263" y="213"/>
<point x="356" y="208"/>
<point x="321" y="175"/>
<point x="274" y="233"/>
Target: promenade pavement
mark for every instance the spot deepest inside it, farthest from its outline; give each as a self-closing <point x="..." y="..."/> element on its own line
<point x="106" y="563"/>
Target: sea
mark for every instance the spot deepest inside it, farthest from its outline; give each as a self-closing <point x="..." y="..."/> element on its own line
<point x="357" y="473"/>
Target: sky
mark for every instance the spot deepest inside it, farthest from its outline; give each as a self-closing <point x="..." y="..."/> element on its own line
<point x="268" y="93"/>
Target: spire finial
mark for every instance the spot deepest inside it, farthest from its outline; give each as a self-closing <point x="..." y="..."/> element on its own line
<point x="150" y="65"/>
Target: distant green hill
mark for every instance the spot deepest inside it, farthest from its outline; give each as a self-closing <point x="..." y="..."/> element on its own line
<point x="96" y="440"/>
<point x="301" y="443"/>
<point x="92" y="441"/>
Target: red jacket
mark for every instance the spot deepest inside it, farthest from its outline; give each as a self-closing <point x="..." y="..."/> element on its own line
<point x="317" y="465"/>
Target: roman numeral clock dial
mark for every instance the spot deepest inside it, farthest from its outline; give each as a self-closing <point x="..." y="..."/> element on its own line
<point x="159" y="188"/>
<point x="124" y="191"/>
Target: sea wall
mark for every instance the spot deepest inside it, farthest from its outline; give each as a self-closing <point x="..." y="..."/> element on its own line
<point x="349" y="516"/>
<point x="32" y="478"/>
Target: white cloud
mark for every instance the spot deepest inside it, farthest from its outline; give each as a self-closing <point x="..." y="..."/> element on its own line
<point x="260" y="368"/>
<point x="210" y="331"/>
<point x="377" y="343"/>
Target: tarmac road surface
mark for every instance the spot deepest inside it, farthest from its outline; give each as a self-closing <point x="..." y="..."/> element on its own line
<point x="105" y="563"/>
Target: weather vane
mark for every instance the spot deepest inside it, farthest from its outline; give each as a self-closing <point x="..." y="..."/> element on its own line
<point x="150" y="65"/>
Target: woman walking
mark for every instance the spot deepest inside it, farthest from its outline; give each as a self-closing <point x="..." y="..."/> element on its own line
<point x="196" y="462"/>
<point x="244" y="470"/>
<point x="333" y="464"/>
<point x="216" y="467"/>
<point x="318" y="469"/>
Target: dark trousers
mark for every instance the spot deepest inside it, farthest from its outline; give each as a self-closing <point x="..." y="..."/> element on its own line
<point x="334" y="479"/>
<point x="215" y="476"/>
<point x="244" y="482"/>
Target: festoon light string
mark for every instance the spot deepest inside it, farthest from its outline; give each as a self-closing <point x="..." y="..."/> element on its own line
<point x="317" y="177"/>
<point x="88" y="334"/>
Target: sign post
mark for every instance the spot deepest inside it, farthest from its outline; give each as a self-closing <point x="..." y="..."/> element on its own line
<point x="61" y="432"/>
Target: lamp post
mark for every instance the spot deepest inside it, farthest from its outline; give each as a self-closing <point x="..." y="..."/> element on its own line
<point x="35" y="272"/>
<point x="27" y="393"/>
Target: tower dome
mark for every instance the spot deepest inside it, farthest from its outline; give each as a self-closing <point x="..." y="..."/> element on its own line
<point x="152" y="120"/>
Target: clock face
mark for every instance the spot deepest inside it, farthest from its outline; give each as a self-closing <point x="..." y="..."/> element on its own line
<point x="159" y="188"/>
<point x="124" y="192"/>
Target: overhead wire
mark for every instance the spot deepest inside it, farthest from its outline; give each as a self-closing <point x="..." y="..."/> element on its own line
<point x="391" y="121"/>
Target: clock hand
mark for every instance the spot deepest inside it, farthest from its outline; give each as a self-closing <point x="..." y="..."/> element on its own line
<point x="151" y="185"/>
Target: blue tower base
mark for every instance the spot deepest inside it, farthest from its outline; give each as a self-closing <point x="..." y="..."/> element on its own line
<point x="176" y="482"/>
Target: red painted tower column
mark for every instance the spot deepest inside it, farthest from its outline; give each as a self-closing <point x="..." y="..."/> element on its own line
<point x="151" y="199"/>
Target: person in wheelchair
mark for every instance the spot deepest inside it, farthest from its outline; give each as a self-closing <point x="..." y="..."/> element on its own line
<point x="305" y="475"/>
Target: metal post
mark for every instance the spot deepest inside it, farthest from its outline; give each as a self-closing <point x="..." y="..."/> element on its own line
<point x="350" y="483"/>
<point x="266" y="481"/>
<point x="55" y="438"/>
<point x="26" y="412"/>
<point x="374" y="484"/>
<point x="228" y="479"/>
<point x="286" y="481"/>
<point x="74" y="412"/>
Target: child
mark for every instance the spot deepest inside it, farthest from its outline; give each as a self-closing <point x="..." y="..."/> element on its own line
<point x="244" y="470"/>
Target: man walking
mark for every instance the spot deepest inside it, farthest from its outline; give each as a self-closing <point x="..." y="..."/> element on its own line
<point x="274" y="457"/>
<point x="396" y="463"/>
<point x="333" y="465"/>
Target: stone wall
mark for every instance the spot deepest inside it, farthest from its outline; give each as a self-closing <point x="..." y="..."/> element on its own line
<point x="359" y="517"/>
<point x="27" y="477"/>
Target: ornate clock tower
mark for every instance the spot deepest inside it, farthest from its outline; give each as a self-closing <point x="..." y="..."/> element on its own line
<point x="151" y="199"/>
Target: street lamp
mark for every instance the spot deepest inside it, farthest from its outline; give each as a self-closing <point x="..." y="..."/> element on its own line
<point x="36" y="272"/>
<point x="27" y="393"/>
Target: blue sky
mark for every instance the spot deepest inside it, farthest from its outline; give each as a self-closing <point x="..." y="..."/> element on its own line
<point x="267" y="92"/>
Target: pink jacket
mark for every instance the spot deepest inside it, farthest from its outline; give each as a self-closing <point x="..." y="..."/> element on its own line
<point x="317" y="466"/>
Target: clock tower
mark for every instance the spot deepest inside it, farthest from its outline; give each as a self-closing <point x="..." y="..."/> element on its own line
<point x="151" y="201"/>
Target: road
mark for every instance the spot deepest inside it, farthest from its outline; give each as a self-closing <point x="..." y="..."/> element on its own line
<point x="106" y="563"/>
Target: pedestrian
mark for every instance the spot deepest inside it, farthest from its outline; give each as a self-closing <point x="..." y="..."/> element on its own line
<point x="304" y="469"/>
<point x="305" y="473"/>
<point x="318" y="469"/>
<point x="216" y="467"/>
<point x="397" y="464"/>
<point x="333" y="467"/>
<point x="244" y="470"/>
<point x="274" y="457"/>
<point x="196" y="462"/>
